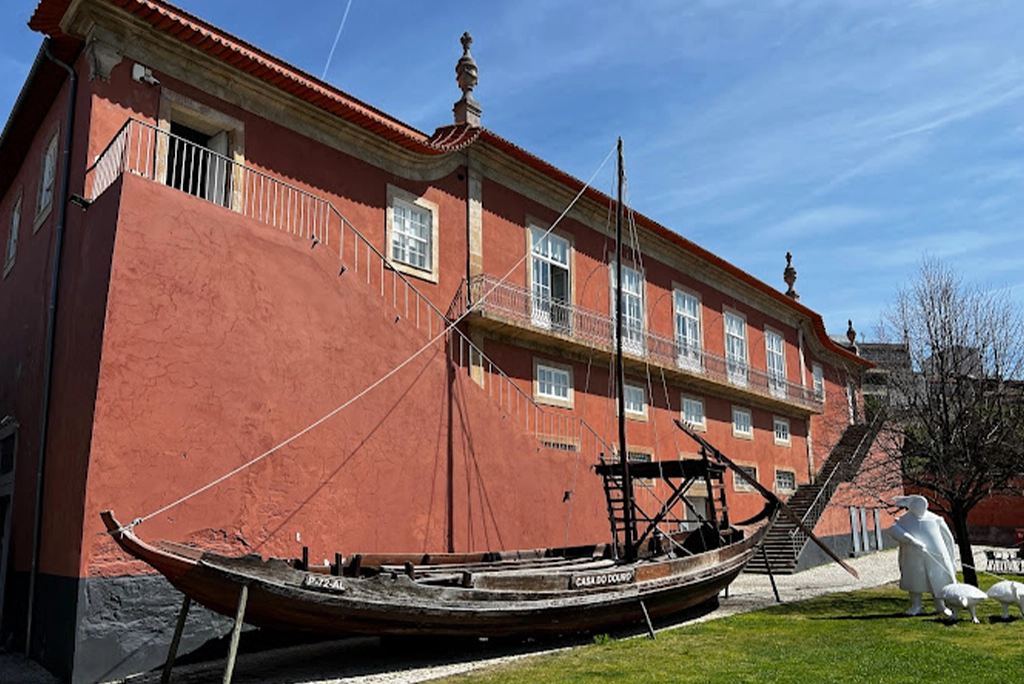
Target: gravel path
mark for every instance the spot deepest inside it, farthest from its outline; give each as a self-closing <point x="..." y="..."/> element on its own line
<point x="374" y="661"/>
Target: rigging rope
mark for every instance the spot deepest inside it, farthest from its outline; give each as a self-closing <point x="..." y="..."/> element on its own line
<point x="374" y="385"/>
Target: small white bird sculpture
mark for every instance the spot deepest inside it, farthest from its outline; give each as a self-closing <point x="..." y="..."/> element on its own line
<point x="958" y="595"/>
<point x="1008" y="592"/>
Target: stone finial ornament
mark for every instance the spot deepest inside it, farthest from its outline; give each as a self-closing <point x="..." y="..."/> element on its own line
<point x="851" y="334"/>
<point x="467" y="110"/>
<point x="789" y="276"/>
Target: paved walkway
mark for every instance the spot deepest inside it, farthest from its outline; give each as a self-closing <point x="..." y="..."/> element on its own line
<point x="373" y="661"/>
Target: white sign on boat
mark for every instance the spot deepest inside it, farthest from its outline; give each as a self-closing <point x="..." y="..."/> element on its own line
<point x="323" y="583"/>
<point x="602" y="579"/>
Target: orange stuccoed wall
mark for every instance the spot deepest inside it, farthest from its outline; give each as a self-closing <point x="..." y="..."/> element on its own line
<point x="224" y="337"/>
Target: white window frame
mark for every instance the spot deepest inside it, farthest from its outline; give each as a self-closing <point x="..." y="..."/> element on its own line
<point x="736" y="354"/>
<point x="779" y="487"/>
<point x="775" y="362"/>
<point x="632" y="412"/>
<point x="545" y="310"/>
<point x="783" y="437"/>
<point x="737" y="431"/>
<point x="688" y="329"/>
<point x="685" y="400"/>
<point x="403" y="198"/>
<point x="818" y="381"/>
<point x="47" y="179"/>
<point x="634" y="317"/>
<point x="555" y="369"/>
<point x="738" y="484"/>
<point x="14" y="227"/>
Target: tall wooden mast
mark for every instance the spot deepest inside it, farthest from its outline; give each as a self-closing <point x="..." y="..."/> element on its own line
<point x="627" y="483"/>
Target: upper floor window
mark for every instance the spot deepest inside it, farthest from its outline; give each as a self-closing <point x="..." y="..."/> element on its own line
<point x="693" y="413"/>
<point x="200" y="151"/>
<point x="549" y="256"/>
<point x="410" y="236"/>
<point x="47" y="177"/>
<point x="688" y="339"/>
<point x="775" y="349"/>
<point x="819" y="381"/>
<point x="736" y="348"/>
<point x="781" y="426"/>
<point x="12" y="236"/>
<point x="742" y="423"/>
<point x="198" y="162"/>
<point x="635" y="399"/>
<point x="412" y="233"/>
<point x="632" y="298"/>
<point x="553" y="383"/>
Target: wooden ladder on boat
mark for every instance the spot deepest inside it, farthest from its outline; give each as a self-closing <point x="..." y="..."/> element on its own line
<point x="615" y="497"/>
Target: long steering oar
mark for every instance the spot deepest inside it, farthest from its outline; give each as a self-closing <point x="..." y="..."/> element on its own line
<point x="767" y="494"/>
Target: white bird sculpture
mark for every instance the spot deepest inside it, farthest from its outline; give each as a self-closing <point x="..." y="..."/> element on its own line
<point x="958" y="595"/>
<point x="1008" y="592"/>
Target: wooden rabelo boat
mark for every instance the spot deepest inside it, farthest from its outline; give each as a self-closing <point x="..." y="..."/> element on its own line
<point x="641" y="574"/>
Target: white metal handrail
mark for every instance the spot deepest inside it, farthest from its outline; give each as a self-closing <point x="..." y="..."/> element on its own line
<point x="158" y="155"/>
<point x="598" y="330"/>
<point x="839" y="472"/>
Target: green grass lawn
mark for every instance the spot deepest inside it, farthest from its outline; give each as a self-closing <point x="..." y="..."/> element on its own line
<point x="856" y="637"/>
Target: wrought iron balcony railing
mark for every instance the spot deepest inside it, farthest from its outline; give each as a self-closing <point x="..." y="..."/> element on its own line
<point x="514" y="303"/>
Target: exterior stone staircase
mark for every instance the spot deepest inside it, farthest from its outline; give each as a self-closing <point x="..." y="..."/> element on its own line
<point x="784" y="541"/>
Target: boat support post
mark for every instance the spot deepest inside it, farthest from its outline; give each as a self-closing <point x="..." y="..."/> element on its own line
<point x="771" y="575"/>
<point x="647" y="617"/>
<point x="172" y="652"/>
<point x="229" y="669"/>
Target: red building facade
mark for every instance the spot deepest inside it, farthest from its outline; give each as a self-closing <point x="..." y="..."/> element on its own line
<point x="240" y="250"/>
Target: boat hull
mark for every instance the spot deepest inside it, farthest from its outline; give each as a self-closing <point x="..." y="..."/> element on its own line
<point x="528" y="602"/>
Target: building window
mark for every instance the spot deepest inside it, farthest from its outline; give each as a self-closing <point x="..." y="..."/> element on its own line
<point x="47" y="179"/>
<point x="851" y="401"/>
<point x="553" y="383"/>
<point x="200" y="152"/>
<point x="12" y="236"/>
<point x="198" y="163"/>
<point x="741" y="484"/>
<point x="412" y="233"/>
<point x="785" y="481"/>
<point x="742" y="423"/>
<point x="736" y="348"/>
<point x="632" y="297"/>
<point x="688" y="339"/>
<point x="693" y="413"/>
<point x="549" y="255"/>
<point x="819" y="381"/>
<point x="781" y="431"/>
<point x="775" y="348"/>
<point x="635" y="400"/>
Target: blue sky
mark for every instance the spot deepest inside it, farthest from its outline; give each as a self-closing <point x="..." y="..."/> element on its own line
<point x="855" y="133"/>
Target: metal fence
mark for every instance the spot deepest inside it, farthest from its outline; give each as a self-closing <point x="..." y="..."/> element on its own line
<point x="489" y="295"/>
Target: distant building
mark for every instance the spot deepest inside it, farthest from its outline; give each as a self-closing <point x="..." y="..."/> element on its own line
<point x="209" y="250"/>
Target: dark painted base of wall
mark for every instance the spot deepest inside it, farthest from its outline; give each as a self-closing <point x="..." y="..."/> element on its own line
<point x="842" y="544"/>
<point x="95" y="630"/>
<point x="125" y="625"/>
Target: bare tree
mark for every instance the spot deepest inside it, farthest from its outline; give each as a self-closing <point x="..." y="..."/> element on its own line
<point x="955" y="411"/>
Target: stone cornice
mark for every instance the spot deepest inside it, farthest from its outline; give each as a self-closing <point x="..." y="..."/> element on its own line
<point x="139" y="42"/>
